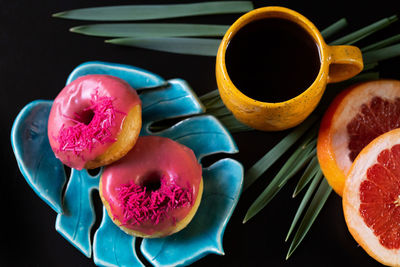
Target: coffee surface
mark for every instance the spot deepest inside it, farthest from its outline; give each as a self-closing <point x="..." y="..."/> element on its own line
<point x="272" y="60"/>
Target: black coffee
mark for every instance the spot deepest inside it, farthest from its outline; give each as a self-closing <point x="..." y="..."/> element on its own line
<point x="272" y="60"/>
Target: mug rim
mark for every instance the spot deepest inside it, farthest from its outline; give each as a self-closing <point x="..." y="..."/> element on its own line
<point x="290" y="14"/>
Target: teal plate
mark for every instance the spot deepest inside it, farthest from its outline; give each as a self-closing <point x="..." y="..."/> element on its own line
<point x="76" y="214"/>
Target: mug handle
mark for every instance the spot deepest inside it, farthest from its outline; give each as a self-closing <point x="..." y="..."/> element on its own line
<point x="345" y="62"/>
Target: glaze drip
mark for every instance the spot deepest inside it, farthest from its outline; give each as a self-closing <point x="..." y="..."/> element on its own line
<point x="141" y="205"/>
<point x="84" y="135"/>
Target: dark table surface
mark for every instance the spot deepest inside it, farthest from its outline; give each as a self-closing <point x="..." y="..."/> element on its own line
<point x="37" y="54"/>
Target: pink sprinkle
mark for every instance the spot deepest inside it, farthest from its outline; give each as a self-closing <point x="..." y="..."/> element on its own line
<point x="80" y="136"/>
<point x="140" y="205"/>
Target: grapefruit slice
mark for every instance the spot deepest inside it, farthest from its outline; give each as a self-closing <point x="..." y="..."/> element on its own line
<point x="371" y="198"/>
<point x="356" y="117"/>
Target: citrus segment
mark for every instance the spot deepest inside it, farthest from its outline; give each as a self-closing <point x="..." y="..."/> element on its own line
<point x="374" y="118"/>
<point x="355" y="117"/>
<point x="371" y="198"/>
<point x="380" y="202"/>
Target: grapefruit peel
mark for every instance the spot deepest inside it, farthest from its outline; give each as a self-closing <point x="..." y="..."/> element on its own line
<point x="365" y="236"/>
<point x="333" y="136"/>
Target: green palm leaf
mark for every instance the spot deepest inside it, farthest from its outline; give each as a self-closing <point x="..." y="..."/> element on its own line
<point x="309" y="173"/>
<point x="381" y="54"/>
<point x="233" y="125"/>
<point x="148" y="12"/>
<point x="320" y="197"/>
<point x="334" y="28"/>
<point x="187" y="46"/>
<point x="262" y="165"/>
<point x="365" y="31"/>
<point x="296" y="161"/>
<point x="316" y="178"/>
<point x="212" y="100"/>
<point x="381" y="44"/>
<point x="150" y="30"/>
<point x="212" y="95"/>
<point x="300" y="163"/>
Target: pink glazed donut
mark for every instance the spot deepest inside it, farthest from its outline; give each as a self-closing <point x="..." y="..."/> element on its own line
<point x="94" y="121"/>
<point x="153" y="191"/>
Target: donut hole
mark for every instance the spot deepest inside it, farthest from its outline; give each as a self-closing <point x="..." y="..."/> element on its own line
<point x="152" y="181"/>
<point x="85" y="116"/>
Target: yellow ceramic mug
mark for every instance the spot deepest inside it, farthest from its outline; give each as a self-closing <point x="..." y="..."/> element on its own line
<point x="337" y="63"/>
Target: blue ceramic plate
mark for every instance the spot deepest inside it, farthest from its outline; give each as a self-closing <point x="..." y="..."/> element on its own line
<point x="76" y="215"/>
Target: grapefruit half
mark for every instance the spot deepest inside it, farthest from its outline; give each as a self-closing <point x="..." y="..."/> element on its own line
<point x="356" y="117"/>
<point x="371" y="198"/>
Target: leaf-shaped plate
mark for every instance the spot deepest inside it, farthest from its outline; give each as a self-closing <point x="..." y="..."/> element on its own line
<point x="111" y="247"/>
<point x="43" y="171"/>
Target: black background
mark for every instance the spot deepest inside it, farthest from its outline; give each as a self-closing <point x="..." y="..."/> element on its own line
<point x="37" y="53"/>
